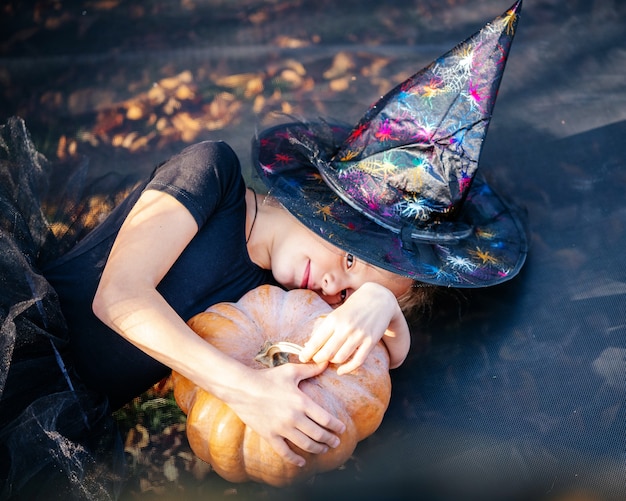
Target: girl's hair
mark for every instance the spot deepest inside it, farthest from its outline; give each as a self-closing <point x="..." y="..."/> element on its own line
<point x="417" y="299"/>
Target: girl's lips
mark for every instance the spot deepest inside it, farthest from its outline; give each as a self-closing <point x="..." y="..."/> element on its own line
<point x="305" y="278"/>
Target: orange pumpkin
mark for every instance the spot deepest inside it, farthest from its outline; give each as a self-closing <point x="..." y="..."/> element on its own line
<point x="244" y="330"/>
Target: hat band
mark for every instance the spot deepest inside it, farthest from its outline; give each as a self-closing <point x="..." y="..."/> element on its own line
<point x="445" y="232"/>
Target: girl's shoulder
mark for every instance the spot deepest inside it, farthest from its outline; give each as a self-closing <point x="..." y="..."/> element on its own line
<point x="207" y="158"/>
<point x="202" y="176"/>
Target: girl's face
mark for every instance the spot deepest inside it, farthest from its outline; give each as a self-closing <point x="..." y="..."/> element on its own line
<point x="302" y="260"/>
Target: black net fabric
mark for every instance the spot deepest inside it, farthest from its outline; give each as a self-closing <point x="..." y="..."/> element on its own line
<point x="57" y="439"/>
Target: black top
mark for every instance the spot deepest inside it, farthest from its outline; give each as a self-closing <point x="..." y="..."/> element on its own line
<point x="206" y="178"/>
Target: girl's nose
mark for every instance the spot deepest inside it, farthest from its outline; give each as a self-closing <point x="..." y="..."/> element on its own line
<point x="334" y="291"/>
<point x="330" y="285"/>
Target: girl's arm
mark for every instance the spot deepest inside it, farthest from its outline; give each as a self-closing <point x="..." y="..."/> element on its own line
<point x="153" y="236"/>
<point x="348" y="334"/>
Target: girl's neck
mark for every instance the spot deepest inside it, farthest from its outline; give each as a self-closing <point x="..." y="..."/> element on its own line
<point x="251" y="219"/>
<point x="259" y="229"/>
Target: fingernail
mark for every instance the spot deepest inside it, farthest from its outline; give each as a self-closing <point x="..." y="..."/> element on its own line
<point x="335" y="442"/>
<point x="300" y="463"/>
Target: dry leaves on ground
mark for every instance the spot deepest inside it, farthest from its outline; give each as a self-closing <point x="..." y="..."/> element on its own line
<point x="159" y="458"/>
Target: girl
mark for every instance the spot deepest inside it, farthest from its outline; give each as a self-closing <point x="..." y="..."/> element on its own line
<point x="368" y="217"/>
<point x="193" y="237"/>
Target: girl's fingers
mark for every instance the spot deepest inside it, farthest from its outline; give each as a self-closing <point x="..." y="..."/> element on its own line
<point x="355" y="362"/>
<point x="316" y="414"/>
<point x="283" y="450"/>
<point x="319" y="337"/>
<point x="346" y="350"/>
<point x="316" y="439"/>
<point x="310" y="438"/>
<point x="305" y="371"/>
<point x="328" y="351"/>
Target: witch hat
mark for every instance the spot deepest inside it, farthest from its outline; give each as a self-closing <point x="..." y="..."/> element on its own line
<point x="400" y="189"/>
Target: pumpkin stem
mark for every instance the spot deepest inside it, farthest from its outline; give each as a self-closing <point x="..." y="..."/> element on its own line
<point x="275" y="354"/>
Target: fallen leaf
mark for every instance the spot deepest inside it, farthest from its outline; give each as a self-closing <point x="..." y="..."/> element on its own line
<point x="137" y="438"/>
<point x="171" y="106"/>
<point x="339" y="84"/>
<point x="61" y="147"/>
<point x="258" y="105"/>
<point x="134" y="112"/>
<point x="170" y="470"/>
<point x="184" y="92"/>
<point x="375" y="68"/>
<point x="117" y="140"/>
<point x="161" y="124"/>
<point x="55" y="22"/>
<point x="258" y="17"/>
<point x="254" y="87"/>
<point x="342" y="64"/>
<point x="290" y="42"/>
<point x="106" y="121"/>
<point x="173" y="82"/>
<point x="235" y="81"/>
<point x="141" y="142"/>
<point x="156" y="95"/>
<point x="128" y="140"/>
<point x="104" y="4"/>
<point x="291" y="77"/>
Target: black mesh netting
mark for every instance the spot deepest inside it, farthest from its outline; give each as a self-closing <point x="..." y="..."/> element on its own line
<point x="57" y="440"/>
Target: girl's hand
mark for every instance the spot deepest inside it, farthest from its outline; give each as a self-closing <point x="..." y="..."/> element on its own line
<point x="274" y="406"/>
<point x="349" y="333"/>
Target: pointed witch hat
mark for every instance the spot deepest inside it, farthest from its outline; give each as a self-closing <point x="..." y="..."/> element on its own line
<point x="400" y="190"/>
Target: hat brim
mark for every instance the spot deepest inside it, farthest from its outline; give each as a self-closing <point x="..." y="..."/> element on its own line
<point x="288" y="159"/>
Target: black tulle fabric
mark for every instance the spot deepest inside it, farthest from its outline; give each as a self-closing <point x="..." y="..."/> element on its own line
<point x="57" y="439"/>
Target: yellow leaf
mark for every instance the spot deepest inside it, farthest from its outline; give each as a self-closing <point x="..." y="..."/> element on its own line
<point x="290" y="43"/>
<point x="254" y="87"/>
<point x="156" y="95"/>
<point x="137" y="438"/>
<point x="59" y="229"/>
<point x="296" y="66"/>
<point x="134" y="112"/>
<point x="342" y="64"/>
<point x="187" y="125"/>
<point x="339" y="84"/>
<point x="161" y="123"/>
<point x="171" y="106"/>
<point x="234" y="81"/>
<point x="140" y="142"/>
<point x="170" y="470"/>
<point x="128" y="140"/>
<point x="184" y="92"/>
<point x="291" y="77"/>
<point x="61" y="147"/>
<point x="117" y="140"/>
<point x="259" y="104"/>
<point x="171" y="83"/>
